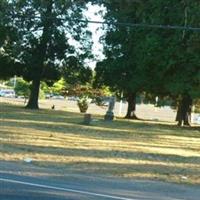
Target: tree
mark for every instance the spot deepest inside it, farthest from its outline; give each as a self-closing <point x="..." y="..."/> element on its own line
<point x="7" y="64"/>
<point x="4" y="30"/>
<point x="173" y="55"/>
<point x="22" y="88"/>
<point x="43" y="31"/>
<point x="75" y="72"/>
<point x="121" y="69"/>
<point x="162" y="61"/>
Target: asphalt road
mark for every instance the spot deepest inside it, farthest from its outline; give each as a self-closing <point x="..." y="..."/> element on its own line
<point x="27" y="182"/>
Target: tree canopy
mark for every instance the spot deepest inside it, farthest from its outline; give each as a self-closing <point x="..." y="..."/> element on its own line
<point x="45" y="38"/>
<point x="158" y="60"/>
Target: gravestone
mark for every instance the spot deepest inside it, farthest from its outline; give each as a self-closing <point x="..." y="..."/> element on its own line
<point x="87" y="119"/>
<point x="109" y="116"/>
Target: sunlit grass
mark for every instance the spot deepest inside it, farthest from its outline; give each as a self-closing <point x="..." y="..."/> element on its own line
<point x="123" y="148"/>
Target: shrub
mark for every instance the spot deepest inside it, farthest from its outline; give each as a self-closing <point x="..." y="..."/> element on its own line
<point x="83" y="103"/>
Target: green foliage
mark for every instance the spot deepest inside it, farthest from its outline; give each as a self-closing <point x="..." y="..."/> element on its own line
<point x="46" y="89"/>
<point x="22" y="88"/>
<point x="8" y="67"/>
<point x="4" y="30"/>
<point x="58" y="87"/>
<point x="122" y="69"/>
<point x="75" y="73"/>
<point x="41" y="94"/>
<point x="163" y="62"/>
<point x="174" y="56"/>
<point x="41" y="40"/>
<point x="197" y="105"/>
<point x="83" y="103"/>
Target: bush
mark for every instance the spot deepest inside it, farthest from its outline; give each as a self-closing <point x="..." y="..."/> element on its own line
<point x="83" y="103"/>
<point x="22" y="88"/>
<point x="197" y="106"/>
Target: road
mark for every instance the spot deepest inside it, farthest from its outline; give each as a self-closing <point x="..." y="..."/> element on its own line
<point x="27" y="182"/>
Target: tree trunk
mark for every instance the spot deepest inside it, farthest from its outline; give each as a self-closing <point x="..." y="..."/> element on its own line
<point x="46" y="35"/>
<point x="33" y="99"/>
<point x="184" y="111"/>
<point x="131" y="106"/>
<point x="178" y="114"/>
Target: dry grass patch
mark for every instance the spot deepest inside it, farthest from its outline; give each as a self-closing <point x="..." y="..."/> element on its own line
<point x="121" y="148"/>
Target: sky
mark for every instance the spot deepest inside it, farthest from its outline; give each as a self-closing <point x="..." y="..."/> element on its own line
<point x="93" y="15"/>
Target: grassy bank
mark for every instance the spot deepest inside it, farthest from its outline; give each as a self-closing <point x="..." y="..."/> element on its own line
<point x="122" y="148"/>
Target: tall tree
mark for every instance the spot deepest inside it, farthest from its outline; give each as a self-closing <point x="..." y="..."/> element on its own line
<point x="173" y="55"/>
<point x="121" y="69"/>
<point x="161" y="61"/>
<point x="44" y="29"/>
<point x="3" y="27"/>
<point x="5" y="62"/>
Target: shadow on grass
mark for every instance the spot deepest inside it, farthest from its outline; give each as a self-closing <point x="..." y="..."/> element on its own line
<point x="20" y="113"/>
<point x="13" y="112"/>
<point x="102" y="130"/>
<point x="97" y="153"/>
<point x="69" y="123"/>
<point x="91" y="132"/>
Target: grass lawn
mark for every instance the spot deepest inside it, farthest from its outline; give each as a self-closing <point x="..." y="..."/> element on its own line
<point x="132" y="149"/>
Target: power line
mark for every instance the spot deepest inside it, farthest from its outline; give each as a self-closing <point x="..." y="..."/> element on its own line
<point x="173" y="27"/>
<point x="126" y="24"/>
